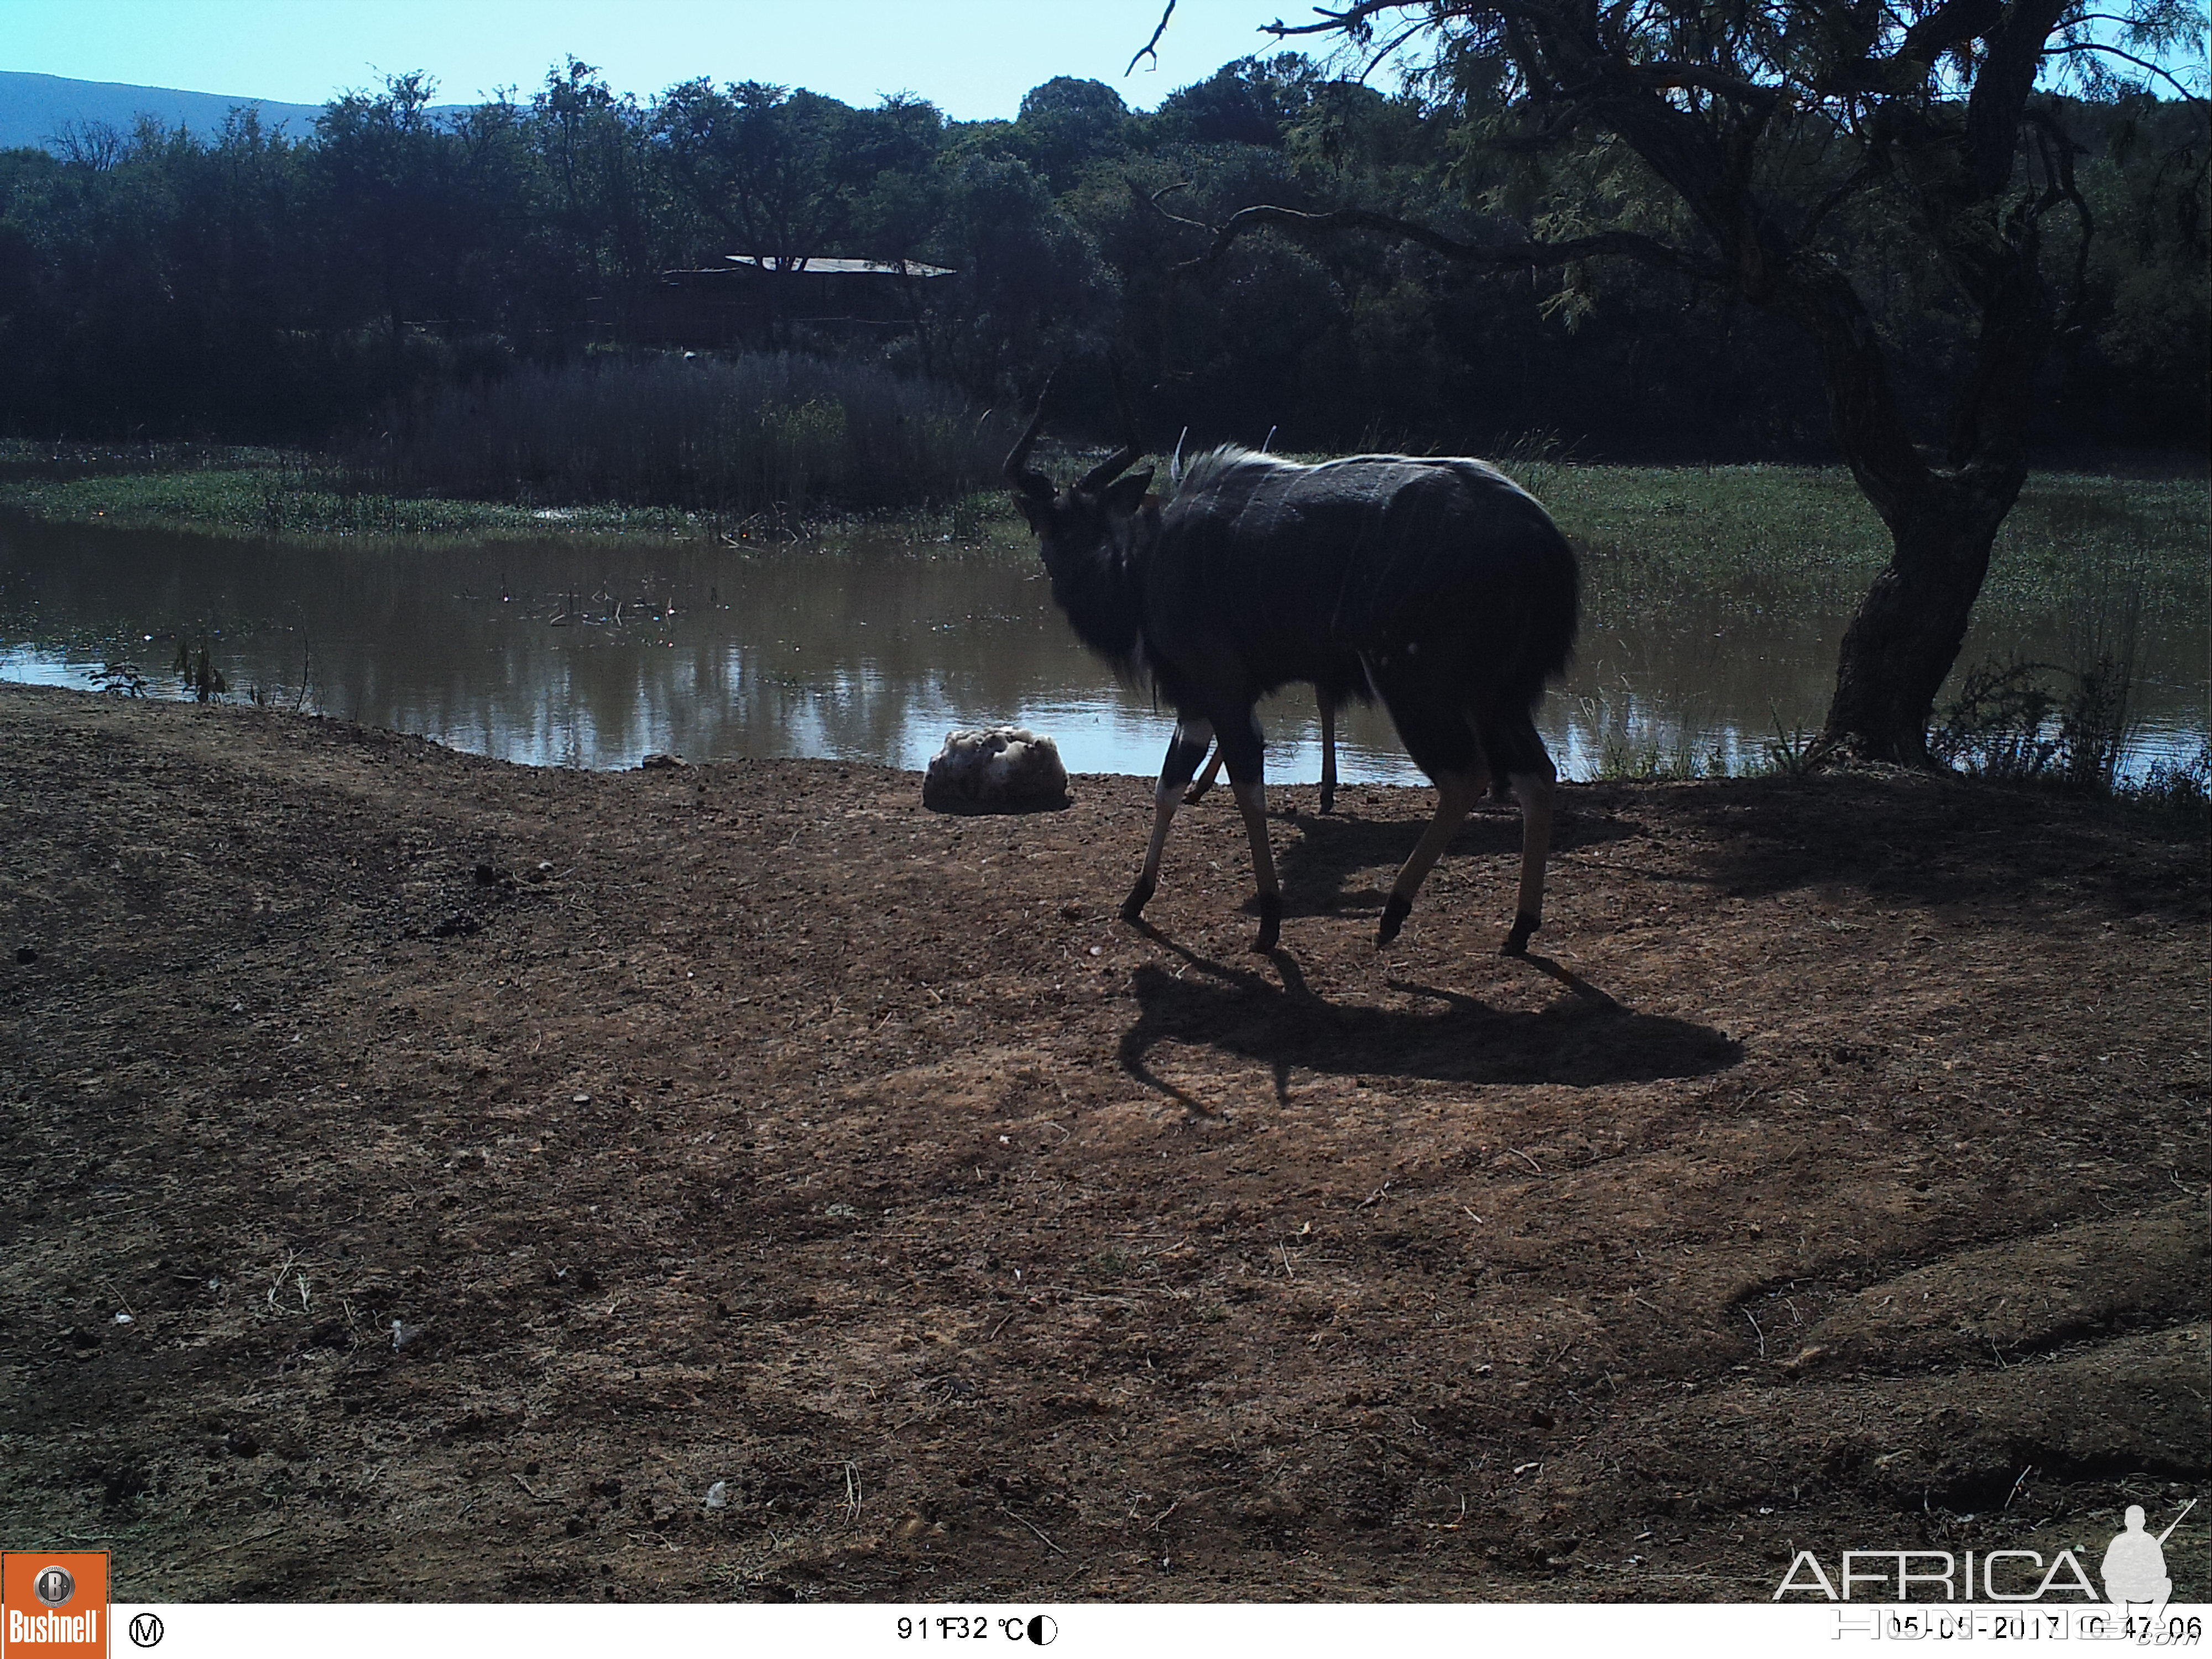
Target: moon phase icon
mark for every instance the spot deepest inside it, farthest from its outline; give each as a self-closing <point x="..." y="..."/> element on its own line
<point x="1043" y="1629"/>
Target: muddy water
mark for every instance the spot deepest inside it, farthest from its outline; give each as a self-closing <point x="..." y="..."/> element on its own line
<point x="594" y="654"/>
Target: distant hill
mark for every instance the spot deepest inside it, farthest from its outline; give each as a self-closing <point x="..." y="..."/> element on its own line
<point x="34" y="108"/>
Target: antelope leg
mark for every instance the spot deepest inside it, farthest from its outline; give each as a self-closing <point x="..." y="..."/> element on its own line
<point x="1328" y="752"/>
<point x="1252" y="802"/>
<point x="1456" y="794"/>
<point x="1204" y="782"/>
<point x="1185" y="750"/>
<point x="1534" y="789"/>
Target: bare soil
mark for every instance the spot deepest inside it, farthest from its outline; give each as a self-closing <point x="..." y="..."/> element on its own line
<point x="489" y="1162"/>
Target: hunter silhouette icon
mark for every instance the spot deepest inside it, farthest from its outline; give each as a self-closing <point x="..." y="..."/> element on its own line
<point x="2134" y="1568"/>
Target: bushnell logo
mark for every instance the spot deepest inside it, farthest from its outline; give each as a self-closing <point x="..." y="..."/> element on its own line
<point x="53" y="1604"/>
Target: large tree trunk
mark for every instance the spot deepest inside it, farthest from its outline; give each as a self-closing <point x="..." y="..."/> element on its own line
<point x="1942" y="522"/>
<point x="1901" y="645"/>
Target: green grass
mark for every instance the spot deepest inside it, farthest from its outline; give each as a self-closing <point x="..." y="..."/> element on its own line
<point x="282" y="502"/>
<point x="1759" y="535"/>
<point x="1764" y="533"/>
<point x="275" y="494"/>
<point x="778" y="433"/>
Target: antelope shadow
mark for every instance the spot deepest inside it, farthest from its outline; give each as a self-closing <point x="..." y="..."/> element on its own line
<point x="1341" y="861"/>
<point x="1584" y="1038"/>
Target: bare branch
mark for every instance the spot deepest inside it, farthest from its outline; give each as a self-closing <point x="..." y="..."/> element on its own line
<point x="1152" y="201"/>
<point x="1351" y="17"/>
<point x="2187" y="96"/>
<point x="1391" y="45"/>
<point x="1749" y="93"/>
<point x="1147" y="51"/>
<point x="1503" y="255"/>
<point x="1861" y="176"/>
<point x="1952" y="24"/>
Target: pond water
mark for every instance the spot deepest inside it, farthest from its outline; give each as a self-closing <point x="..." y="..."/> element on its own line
<point x="593" y="654"/>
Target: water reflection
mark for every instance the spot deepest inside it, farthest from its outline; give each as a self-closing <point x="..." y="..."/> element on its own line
<point x="563" y="653"/>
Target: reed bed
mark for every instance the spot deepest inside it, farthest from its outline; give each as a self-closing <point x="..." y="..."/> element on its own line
<point x="775" y="432"/>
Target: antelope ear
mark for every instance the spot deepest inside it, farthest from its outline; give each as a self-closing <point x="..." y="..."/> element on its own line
<point x="1037" y="511"/>
<point x="1124" y="496"/>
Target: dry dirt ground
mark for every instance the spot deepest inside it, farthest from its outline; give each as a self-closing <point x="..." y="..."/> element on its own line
<point x="494" y="1163"/>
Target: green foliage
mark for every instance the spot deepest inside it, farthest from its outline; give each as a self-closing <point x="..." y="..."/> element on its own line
<point x="1067" y="124"/>
<point x="2183" y="788"/>
<point x="1999" y="725"/>
<point x="764" y="433"/>
<point x="260" y="495"/>
<point x="2030" y="722"/>
<point x="782" y="434"/>
<point x="1792" y="752"/>
<point x="252" y="287"/>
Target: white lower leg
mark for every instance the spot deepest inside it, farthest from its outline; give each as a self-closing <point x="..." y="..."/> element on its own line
<point x="1535" y="791"/>
<point x="1163" y="811"/>
<point x="1327" y="752"/>
<point x="1204" y="781"/>
<point x="1456" y="794"/>
<point x="1184" y="751"/>
<point x="1252" y="802"/>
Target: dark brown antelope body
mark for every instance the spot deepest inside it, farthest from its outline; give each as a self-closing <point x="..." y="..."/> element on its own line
<point x="1438" y="582"/>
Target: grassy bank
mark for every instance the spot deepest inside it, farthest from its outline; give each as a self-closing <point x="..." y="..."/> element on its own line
<point x="1738" y="560"/>
<point x="655" y="445"/>
<point x="761" y="433"/>
<point x="1773" y="532"/>
<point x="240" y="493"/>
<point x="1650" y="533"/>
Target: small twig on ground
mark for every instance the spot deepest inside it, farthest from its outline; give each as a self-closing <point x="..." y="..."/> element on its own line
<point x="1049" y="1543"/>
<point x="1526" y="1159"/>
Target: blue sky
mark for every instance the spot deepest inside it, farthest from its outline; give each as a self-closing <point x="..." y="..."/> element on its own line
<point x="973" y="58"/>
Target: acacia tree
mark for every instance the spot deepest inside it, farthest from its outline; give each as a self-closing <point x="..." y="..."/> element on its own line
<point x="1935" y="105"/>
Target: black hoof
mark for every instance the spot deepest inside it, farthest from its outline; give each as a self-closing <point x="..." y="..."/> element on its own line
<point x="1271" y="923"/>
<point x="1393" y="918"/>
<point x="1516" y="942"/>
<point x="1133" y="907"/>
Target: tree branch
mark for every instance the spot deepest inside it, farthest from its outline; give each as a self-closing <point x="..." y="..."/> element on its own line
<point x="2187" y="96"/>
<point x="1952" y="24"/>
<point x="1349" y="18"/>
<point x="2012" y="59"/>
<point x="1661" y="74"/>
<point x="1146" y="51"/>
<point x="1507" y="255"/>
<point x="1865" y="173"/>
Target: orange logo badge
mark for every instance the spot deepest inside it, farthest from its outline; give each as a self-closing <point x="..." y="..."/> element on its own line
<point x="53" y="1604"/>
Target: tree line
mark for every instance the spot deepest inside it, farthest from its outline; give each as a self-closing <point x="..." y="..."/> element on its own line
<point x="250" y="286"/>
